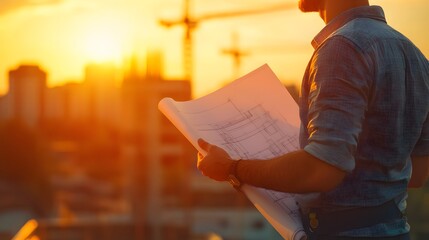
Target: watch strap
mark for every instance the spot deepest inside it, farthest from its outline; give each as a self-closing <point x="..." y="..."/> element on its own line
<point x="232" y="177"/>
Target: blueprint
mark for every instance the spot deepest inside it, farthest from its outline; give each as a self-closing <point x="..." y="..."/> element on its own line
<point x="250" y="132"/>
<point x="254" y="117"/>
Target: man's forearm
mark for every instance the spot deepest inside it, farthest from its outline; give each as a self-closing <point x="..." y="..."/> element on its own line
<point x="296" y="172"/>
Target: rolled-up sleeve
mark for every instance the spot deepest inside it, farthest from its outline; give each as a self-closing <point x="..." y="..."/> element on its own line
<point x="337" y="100"/>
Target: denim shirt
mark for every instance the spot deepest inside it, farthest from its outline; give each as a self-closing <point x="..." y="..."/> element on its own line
<point x="364" y="108"/>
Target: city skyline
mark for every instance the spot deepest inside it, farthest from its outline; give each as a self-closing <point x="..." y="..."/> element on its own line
<point x="109" y="153"/>
<point x="63" y="36"/>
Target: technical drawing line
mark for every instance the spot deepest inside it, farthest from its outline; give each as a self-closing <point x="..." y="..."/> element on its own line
<point x="253" y="123"/>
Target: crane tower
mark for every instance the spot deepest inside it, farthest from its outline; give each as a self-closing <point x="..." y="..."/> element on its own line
<point x="190" y="24"/>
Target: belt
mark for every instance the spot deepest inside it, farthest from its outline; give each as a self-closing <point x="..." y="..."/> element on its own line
<point x="318" y="222"/>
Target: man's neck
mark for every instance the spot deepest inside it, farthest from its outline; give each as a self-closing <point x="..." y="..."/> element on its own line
<point x="332" y="8"/>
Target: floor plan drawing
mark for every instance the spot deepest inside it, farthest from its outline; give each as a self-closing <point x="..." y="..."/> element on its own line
<point x="253" y="117"/>
<point x="287" y="202"/>
<point x="251" y="133"/>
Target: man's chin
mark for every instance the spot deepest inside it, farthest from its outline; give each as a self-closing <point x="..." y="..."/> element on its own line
<point x="309" y="5"/>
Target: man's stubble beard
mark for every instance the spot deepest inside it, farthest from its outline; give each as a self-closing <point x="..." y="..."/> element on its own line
<point x="310" y="5"/>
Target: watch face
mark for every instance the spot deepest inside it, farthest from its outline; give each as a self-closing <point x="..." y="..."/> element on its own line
<point x="234" y="181"/>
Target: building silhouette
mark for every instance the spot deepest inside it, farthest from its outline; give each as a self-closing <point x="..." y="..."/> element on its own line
<point x="104" y="97"/>
<point x="159" y="155"/>
<point x="68" y="103"/>
<point x="26" y="97"/>
<point x="116" y="157"/>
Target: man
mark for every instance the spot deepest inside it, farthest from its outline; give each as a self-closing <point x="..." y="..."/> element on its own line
<point x="365" y="129"/>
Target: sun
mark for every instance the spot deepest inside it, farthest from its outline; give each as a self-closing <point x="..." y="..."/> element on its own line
<point x="104" y="39"/>
<point x="102" y="45"/>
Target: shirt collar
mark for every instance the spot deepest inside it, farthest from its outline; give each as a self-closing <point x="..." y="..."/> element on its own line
<point x="373" y="12"/>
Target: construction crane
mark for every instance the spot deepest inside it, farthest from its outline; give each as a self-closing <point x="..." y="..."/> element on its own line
<point x="236" y="53"/>
<point x="190" y="23"/>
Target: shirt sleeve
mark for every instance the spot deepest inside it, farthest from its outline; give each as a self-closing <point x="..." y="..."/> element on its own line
<point x="338" y="96"/>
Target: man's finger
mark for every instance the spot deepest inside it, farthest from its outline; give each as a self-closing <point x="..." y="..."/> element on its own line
<point x="204" y="145"/>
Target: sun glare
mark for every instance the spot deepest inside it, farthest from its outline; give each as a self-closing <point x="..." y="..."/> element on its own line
<point x="102" y="45"/>
<point x="104" y="38"/>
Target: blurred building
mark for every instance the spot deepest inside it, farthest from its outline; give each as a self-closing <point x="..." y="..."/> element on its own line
<point x="293" y="91"/>
<point x="67" y="103"/>
<point x="169" y="194"/>
<point x="104" y="95"/>
<point x="5" y="108"/>
<point x="158" y="156"/>
<point x="25" y="100"/>
<point x="115" y="157"/>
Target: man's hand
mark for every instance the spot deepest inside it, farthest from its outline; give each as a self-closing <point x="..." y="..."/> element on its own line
<point x="216" y="163"/>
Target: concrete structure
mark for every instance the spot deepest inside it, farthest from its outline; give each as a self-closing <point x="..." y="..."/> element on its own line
<point x="104" y="98"/>
<point x="164" y="195"/>
<point x="158" y="156"/>
<point x="166" y="187"/>
<point x="27" y="87"/>
<point x="68" y="103"/>
<point x="5" y="108"/>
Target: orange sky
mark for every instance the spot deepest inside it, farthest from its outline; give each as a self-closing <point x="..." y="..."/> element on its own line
<point x="63" y="35"/>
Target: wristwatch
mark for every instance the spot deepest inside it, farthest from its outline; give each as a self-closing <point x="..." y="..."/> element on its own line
<point x="232" y="176"/>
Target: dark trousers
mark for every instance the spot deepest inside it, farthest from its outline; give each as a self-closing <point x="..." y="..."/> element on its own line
<point x="400" y="237"/>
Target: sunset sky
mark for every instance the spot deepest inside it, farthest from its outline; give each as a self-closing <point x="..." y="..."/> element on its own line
<point x="62" y="36"/>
